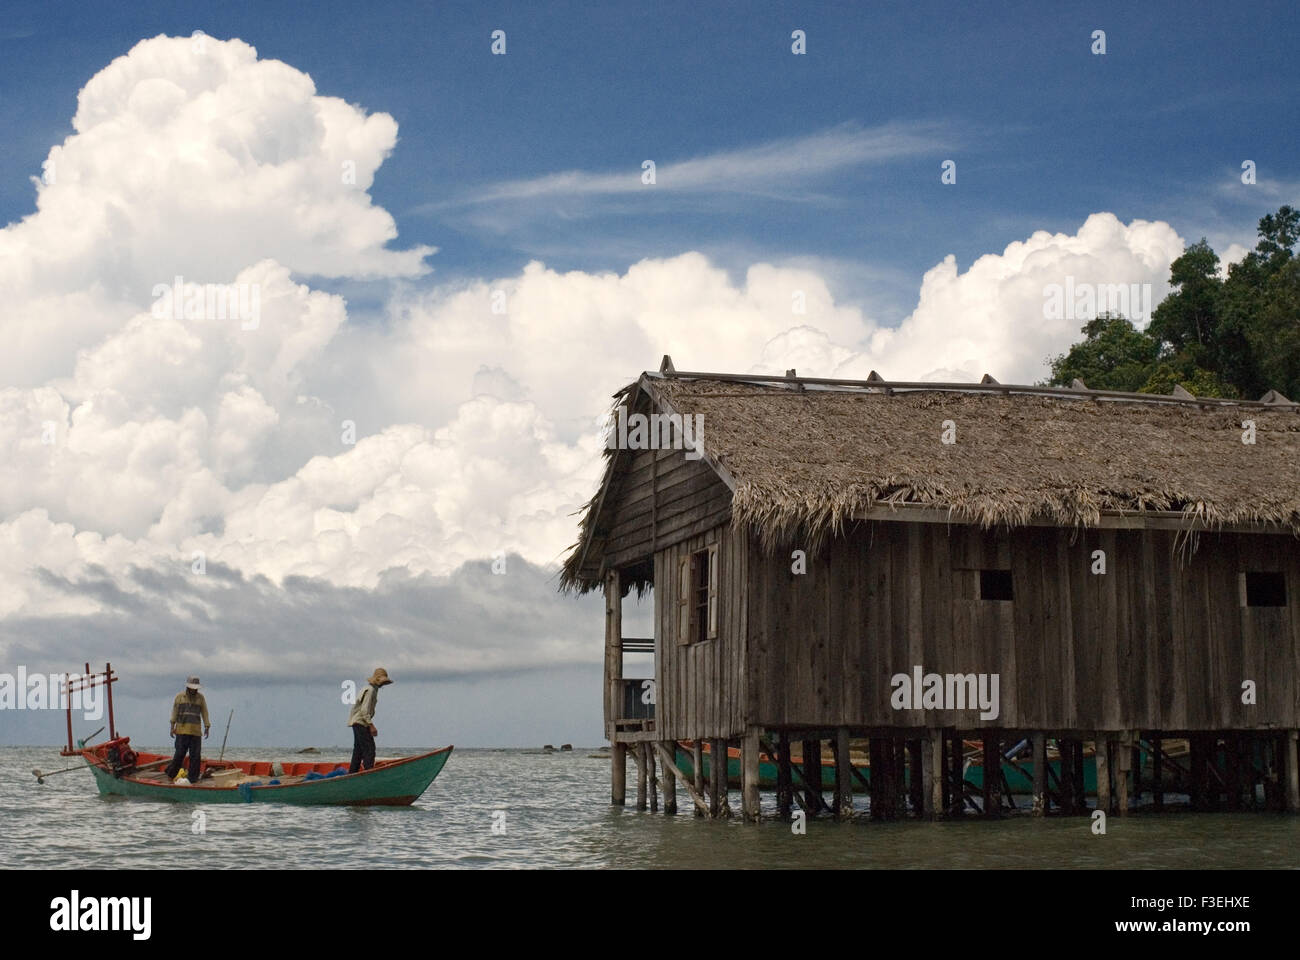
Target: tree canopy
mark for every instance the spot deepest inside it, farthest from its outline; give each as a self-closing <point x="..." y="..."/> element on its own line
<point x="1217" y="336"/>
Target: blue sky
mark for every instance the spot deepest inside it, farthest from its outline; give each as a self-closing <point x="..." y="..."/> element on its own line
<point x="129" y="441"/>
<point x="1043" y="131"/>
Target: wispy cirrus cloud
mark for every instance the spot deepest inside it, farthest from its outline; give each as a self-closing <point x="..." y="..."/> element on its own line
<point x="778" y="167"/>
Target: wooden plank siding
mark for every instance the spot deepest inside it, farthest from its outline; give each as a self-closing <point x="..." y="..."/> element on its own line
<point x="1161" y="641"/>
<point x="660" y="499"/>
<point x="701" y="692"/>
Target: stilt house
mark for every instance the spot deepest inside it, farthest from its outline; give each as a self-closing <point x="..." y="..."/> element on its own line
<point x="838" y="561"/>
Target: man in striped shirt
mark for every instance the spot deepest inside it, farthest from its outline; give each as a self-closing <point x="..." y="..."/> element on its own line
<point x="188" y="709"/>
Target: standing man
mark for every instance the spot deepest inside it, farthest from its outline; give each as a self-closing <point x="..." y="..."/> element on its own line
<point x="188" y="709"/>
<point x="363" y="731"/>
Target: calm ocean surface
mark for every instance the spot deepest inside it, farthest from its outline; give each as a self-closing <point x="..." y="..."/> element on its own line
<point x="557" y="814"/>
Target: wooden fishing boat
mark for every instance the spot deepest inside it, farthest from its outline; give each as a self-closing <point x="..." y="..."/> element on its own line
<point x="119" y="770"/>
<point x="396" y="783"/>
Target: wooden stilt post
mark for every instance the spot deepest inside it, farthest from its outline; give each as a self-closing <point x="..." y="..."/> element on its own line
<point x="697" y="770"/>
<point x="812" y="776"/>
<point x="1039" y="741"/>
<point x="618" y="775"/>
<point x="784" y="779"/>
<point x="749" y="802"/>
<point x="916" y="791"/>
<point x="1122" y="763"/>
<point x="673" y="772"/>
<point x="1232" y="769"/>
<point x="957" y="774"/>
<point x="640" y="775"/>
<point x="1200" y="798"/>
<point x="1080" y="792"/>
<point x="1290" y="741"/>
<point x="614" y="684"/>
<point x="843" y="776"/>
<point x="932" y="787"/>
<point x="992" y="775"/>
<point x="1135" y="764"/>
<point x="651" y="772"/>
<point x="1252" y="772"/>
<point x="670" y="782"/>
<point x="1157" y="774"/>
<point x="900" y="777"/>
<point x="879" y="777"/>
<point x="945" y="772"/>
<point x="718" y="777"/>
<point x="1102" y="748"/>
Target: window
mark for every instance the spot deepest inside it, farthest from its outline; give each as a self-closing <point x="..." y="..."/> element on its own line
<point x="697" y="596"/>
<point x="995" y="585"/>
<point x="1264" y="589"/>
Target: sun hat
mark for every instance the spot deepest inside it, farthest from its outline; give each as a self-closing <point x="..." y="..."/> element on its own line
<point x="192" y="683"/>
<point x="379" y="678"/>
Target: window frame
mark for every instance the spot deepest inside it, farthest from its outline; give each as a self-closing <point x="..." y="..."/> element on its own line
<point x="697" y="595"/>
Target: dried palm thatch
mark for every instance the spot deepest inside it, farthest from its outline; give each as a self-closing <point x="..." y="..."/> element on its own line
<point x="806" y="461"/>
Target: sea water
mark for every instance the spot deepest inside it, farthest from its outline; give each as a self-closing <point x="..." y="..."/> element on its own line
<point x="529" y="809"/>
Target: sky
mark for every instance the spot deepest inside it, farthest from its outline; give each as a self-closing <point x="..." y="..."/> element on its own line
<point x="450" y="258"/>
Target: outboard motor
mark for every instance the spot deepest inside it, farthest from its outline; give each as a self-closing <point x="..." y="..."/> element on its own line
<point x="118" y="755"/>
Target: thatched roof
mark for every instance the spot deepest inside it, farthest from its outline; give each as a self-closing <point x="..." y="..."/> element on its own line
<point x="803" y="457"/>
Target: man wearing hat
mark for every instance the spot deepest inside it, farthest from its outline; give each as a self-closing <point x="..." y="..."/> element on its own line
<point x="188" y="709"/>
<point x="363" y="731"/>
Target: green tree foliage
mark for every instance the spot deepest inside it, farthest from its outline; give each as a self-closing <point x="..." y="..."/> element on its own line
<point x="1218" y="337"/>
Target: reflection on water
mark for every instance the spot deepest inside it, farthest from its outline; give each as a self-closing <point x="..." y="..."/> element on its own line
<point x="557" y="814"/>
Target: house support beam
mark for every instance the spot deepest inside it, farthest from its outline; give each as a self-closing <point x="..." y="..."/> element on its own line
<point x="749" y="802"/>
<point x="1102" y="757"/>
<point x="1291" y="770"/>
<point x="674" y="774"/>
<point x="1039" y="742"/>
<point x="669" y="749"/>
<point x="843" y="776"/>
<point x="618" y="775"/>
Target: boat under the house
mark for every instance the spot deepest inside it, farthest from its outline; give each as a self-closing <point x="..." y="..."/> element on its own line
<point x="119" y="770"/>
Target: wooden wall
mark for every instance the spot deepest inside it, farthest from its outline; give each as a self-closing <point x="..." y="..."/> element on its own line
<point x="700" y="686"/>
<point x="1156" y="643"/>
<point x="658" y="498"/>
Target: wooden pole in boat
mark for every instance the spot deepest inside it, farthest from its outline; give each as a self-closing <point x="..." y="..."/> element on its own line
<point x="749" y="798"/>
<point x="1039" y="741"/>
<point x="226" y="734"/>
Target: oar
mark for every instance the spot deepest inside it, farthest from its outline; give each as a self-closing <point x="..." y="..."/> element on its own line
<point x="223" y="739"/>
<point x="40" y="777"/>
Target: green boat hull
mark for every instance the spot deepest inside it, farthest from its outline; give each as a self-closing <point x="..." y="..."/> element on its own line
<point x="398" y="783"/>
